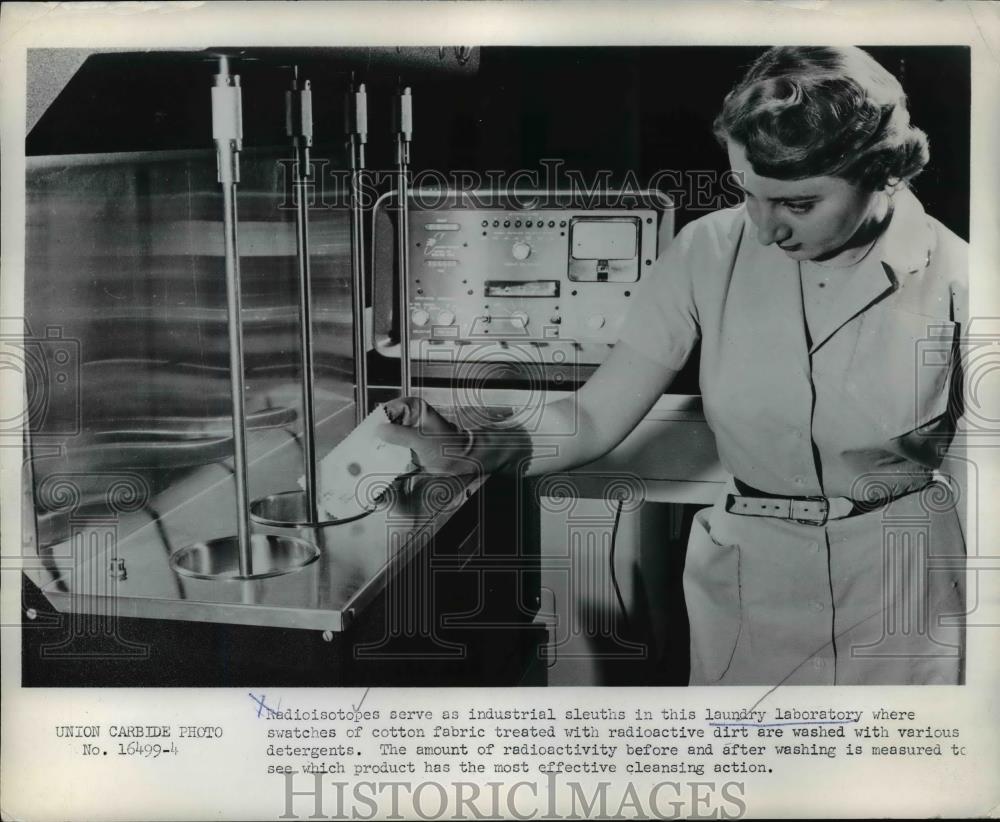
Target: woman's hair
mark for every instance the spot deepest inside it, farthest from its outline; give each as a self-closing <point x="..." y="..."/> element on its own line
<point x="811" y="111"/>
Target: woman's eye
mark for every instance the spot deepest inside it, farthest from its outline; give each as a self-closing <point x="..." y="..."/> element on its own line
<point x="799" y="208"/>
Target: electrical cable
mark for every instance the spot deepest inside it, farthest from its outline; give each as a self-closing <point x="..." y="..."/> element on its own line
<point x="614" y="576"/>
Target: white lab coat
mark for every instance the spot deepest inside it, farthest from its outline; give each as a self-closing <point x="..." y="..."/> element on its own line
<point x="862" y="411"/>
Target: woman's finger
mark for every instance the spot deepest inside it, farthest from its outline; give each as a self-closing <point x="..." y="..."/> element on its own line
<point x="405" y="411"/>
<point x="414" y="412"/>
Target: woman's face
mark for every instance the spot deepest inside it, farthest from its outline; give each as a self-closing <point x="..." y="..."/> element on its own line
<point x="818" y="218"/>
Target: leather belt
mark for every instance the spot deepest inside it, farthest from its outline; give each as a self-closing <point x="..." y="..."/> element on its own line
<point x="806" y="510"/>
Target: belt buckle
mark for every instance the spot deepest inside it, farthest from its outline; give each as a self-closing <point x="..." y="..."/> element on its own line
<point x="824" y="511"/>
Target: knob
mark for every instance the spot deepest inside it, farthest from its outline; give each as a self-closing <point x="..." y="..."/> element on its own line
<point x="596" y="322"/>
<point x="521" y="251"/>
<point x="520" y="317"/>
<point x="420" y="317"/>
<point x="446" y="317"/>
<point x="555" y="319"/>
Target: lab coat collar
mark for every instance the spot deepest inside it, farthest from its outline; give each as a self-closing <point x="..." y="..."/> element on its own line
<point x="903" y="249"/>
<point x="910" y="240"/>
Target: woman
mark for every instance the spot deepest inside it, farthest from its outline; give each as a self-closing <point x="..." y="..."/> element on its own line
<point x="834" y="556"/>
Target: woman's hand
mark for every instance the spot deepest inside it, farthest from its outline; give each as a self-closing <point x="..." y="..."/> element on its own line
<point x="581" y="426"/>
<point x="438" y="447"/>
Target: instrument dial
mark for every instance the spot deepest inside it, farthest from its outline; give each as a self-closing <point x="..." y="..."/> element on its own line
<point x="521" y="250"/>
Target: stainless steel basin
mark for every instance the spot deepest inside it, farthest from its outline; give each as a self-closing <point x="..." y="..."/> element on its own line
<point x="271" y="556"/>
<point x="290" y="508"/>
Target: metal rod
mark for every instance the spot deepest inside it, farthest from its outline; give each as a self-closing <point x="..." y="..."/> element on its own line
<point x="404" y="133"/>
<point x="299" y="126"/>
<point x="356" y="111"/>
<point x="228" y="136"/>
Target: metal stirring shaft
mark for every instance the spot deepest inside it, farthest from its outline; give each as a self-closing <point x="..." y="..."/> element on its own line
<point x="299" y="126"/>
<point x="404" y="134"/>
<point x="227" y="131"/>
<point x="356" y="116"/>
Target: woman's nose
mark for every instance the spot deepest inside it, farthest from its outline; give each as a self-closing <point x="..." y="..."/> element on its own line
<point x="770" y="229"/>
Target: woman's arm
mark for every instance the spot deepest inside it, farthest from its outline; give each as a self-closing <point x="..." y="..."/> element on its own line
<point x="601" y="413"/>
<point x="578" y="428"/>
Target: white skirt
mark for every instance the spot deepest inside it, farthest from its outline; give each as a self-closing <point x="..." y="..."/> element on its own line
<point x="874" y="599"/>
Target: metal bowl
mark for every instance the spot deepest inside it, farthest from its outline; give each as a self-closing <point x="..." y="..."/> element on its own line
<point x="219" y="559"/>
<point x="289" y="509"/>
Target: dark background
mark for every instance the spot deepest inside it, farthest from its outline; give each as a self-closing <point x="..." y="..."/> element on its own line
<point x="639" y="109"/>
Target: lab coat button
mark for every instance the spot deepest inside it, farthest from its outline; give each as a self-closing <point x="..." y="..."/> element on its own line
<point x="814" y="547"/>
<point x="818" y="663"/>
<point x="817" y="606"/>
<point x="798" y="480"/>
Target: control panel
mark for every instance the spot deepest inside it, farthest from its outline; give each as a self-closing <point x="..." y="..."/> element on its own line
<point x="547" y="276"/>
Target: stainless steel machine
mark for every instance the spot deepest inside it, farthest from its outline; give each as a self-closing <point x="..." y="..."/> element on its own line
<point x="194" y="345"/>
<point x="203" y="328"/>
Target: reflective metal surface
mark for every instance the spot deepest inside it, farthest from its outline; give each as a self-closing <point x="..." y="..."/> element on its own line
<point x="125" y="304"/>
<point x="354" y="561"/>
<point x="292" y="508"/>
<point x="131" y="447"/>
<point x="227" y="131"/>
<point x="270" y="555"/>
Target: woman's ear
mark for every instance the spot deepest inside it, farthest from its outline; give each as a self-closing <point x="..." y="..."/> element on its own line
<point x="892" y="185"/>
